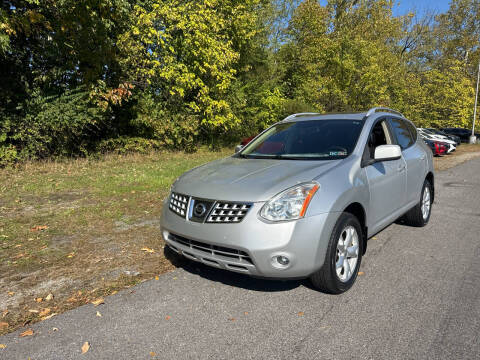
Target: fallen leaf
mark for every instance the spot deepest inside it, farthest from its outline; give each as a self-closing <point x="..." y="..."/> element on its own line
<point x="85" y="347"/>
<point x="98" y="314"/>
<point x="98" y="301"/>
<point x="49" y="297"/>
<point x="3" y="346"/>
<point x="44" y="312"/>
<point x="175" y="278"/>
<point x="49" y="316"/>
<point x="11" y="293"/>
<point x="33" y="311"/>
<point x="28" y="332"/>
<point x="157" y="278"/>
<point x="39" y="228"/>
<point x="55" y="329"/>
<point x="374" y="238"/>
<point x="360" y="273"/>
<point x="114" y="292"/>
<point x="18" y="256"/>
<point x="4" y="313"/>
<point x="168" y="317"/>
<point x="245" y="313"/>
<point x="72" y="299"/>
<point x="71" y="255"/>
<point x="148" y="250"/>
<point x="301" y="313"/>
<point x="38" y="300"/>
<point x="152" y="354"/>
<point x="3" y="324"/>
<point x="232" y="319"/>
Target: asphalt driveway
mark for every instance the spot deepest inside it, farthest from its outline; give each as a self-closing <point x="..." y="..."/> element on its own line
<point x="419" y="298"/>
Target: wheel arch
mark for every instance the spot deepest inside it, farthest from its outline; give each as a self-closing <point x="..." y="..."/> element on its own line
<point x="357" y="210"/>
<point x="430" y="177"/>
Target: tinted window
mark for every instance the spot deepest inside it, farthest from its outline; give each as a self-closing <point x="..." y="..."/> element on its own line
<point x="311" y="139"/>
<point x="402" y="133"/>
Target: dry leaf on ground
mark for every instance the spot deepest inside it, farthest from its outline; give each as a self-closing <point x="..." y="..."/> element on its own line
<point x="4" y="313"/>
<point x="301" y="313"/>
<point x="49" y="297"/>
<point x="3" y="324"/>
<point x="152" y="354"/>
<point x="39" y="228"/>
<point x="39" y="299"/>
<point x="168" y="317"/>
<point x="11" y="293"/>
<point x="360" y="273"/>
<point x="28" y="332"/>
<point x="85" y="347"/>
<point x="44" y="312"/>
<point x="232" y="319"/>
<point x="33" y="311"/>
<point x="3" y="346"/>
<point x="157" y="278"/>
<point x="148" y="250"/>
<point x="98" y="314"/>
<point x="49" y="316"/>
<point x="98" y="301"/>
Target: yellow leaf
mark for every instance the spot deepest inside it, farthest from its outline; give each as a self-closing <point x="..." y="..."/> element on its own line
<point x="4" y="313"/>
<point x="148" y="250"/>
<point x="98" y="314"/>
<point x="152" y="354"/>
<point x="33" y="311"/>
<point x="38" y="300"/>
<point x="11" y="293"/>
<point x="3" y="324"/>
<point x="49" y="316"/>
<point x="71" y="255"/>
<point x="49" y="297"/>
<point x="3" y="346"/>
<point x="360" y="273"/>
<point x="301" y="313"/>
<point x="28" y="332"/>
<point x="98" y="301"/>
<point x="44" y="312"/>
<point x="157" y="278"/>
<point x="85" y="347"/>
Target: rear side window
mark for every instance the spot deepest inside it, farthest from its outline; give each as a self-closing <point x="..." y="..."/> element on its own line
<point x="402" y="133"/>
<point x="413" y="130"/>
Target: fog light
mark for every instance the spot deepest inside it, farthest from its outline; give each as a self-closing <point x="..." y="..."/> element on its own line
<point x="280" y="261"/>
<point x="283" y="260"/>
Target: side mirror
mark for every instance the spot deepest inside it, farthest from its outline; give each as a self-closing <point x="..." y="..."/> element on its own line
<point x="238" y="148"/>
<point x="387" y="153"/>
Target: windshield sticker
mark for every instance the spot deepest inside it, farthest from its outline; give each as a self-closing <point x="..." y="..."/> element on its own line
<point x="338" y="153"/>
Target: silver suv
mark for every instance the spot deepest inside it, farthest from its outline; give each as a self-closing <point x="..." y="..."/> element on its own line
<point x="302" y="198"/>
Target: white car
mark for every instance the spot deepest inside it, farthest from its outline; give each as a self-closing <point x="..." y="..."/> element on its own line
<point x="427" y="134"/>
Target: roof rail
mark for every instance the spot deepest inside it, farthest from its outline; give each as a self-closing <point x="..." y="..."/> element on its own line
<point x="384" y="109"/>
<point x="289" y="117"/>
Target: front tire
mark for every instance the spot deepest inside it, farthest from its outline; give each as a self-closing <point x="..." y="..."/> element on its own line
<point x="343" y="258"/>
<point x="420" y="214"/>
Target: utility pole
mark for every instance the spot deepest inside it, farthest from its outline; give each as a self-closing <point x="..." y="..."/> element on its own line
<point x="473" y="138"/>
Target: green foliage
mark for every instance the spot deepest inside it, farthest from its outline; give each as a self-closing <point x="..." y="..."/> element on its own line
<point x="79" y="77"/>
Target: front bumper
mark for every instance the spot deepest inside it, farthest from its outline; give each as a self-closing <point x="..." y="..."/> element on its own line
<point x="250" y="246"/>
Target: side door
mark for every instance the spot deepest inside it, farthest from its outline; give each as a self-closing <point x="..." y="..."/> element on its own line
<point x="386" y="179"/>
<point x="406" y="136"/>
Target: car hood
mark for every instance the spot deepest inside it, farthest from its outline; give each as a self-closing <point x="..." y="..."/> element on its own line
<point x="253" y="180"/>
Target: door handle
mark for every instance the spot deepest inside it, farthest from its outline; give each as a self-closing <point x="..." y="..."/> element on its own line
<point x="422" y="157"/>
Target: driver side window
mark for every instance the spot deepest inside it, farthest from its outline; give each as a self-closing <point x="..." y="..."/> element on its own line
<point x="379" y="135"/>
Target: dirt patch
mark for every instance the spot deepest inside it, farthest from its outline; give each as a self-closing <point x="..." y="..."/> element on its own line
<point x="463" y="153"/>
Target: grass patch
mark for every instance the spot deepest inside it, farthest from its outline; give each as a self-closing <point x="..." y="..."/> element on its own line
<point x="75" y="228"/>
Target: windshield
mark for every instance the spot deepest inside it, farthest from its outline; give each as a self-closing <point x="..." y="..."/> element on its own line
<point x="311" y="139"/>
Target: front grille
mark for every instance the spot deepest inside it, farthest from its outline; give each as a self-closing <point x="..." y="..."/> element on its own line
<point x="178" y="204"/>
<point x="219" y="252"/>
<point x="224" y="212"/>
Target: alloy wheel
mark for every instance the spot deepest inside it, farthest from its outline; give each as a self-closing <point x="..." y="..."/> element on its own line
<point x="347" y="254"/>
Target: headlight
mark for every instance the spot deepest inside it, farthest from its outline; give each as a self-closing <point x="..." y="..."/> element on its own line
<point x="290" y="204"/>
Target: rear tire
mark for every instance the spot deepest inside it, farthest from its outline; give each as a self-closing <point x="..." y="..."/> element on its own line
<point x="420" y="214"/>
<point x="343" y="257"/>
